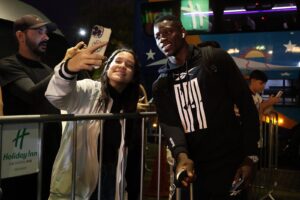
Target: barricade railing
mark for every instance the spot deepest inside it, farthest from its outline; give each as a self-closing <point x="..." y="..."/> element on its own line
<point x="40" y="119"/>
<point x="268" y="148"/>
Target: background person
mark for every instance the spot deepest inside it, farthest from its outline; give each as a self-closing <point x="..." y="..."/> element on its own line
<point x="24" y="79"/>
<point x="195" y="103"/>
<point x="257" y="84"/>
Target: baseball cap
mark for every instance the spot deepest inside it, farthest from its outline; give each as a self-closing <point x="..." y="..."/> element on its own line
<point x="32" y="22"/>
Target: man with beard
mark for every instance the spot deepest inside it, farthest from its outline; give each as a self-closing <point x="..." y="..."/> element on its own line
<point x="24" y="79"/>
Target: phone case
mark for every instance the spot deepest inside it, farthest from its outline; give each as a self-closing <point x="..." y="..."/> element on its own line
<point x="236" y="188"/>
<point x="279" y="93"/>
<point x="99" y="34"/>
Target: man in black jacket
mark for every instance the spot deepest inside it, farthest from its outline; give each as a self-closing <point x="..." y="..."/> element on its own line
<point x="195" y="96"/>
<point x="24" y="79"/>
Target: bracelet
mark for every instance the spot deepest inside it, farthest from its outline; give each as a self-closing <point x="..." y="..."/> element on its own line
<point x="66" y="67"/>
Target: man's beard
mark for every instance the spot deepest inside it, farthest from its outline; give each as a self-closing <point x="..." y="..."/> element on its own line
<point x="35" y="48"/>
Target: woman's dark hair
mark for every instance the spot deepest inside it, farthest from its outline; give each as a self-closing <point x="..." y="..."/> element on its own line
<point x="132" y="89"/>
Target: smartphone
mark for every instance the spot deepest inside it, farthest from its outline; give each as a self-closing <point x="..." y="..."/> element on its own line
<point x="99" y="34"/>
<point x="180" y="176"/>
<point x="279" y="93"/>
<point x="237" y="187"/>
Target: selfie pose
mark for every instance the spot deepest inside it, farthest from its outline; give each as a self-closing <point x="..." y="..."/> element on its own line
<point x="115" y="92"/>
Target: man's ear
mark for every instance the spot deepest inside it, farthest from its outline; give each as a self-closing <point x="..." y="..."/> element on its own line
<point x="183" y="32"/>
<point x="20" y="36"/>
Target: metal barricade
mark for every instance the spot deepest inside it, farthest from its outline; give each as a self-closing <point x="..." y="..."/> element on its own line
<point x="40" y="119"/>
<point x="266" y="181"/>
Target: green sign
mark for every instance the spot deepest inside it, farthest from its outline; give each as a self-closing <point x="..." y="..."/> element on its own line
<point x="20" y="149"/>
<point x="194" y="14"/>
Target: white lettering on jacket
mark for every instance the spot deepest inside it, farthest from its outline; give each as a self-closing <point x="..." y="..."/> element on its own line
<point x="190" y="105"/>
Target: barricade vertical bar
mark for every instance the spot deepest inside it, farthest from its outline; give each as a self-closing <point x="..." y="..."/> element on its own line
<point x="178" y="194"/>
<point x="275" y="162"/>
<point x="40" y="163"/>
<point x="271" y="141"/>
<point x="268" y="170"/>
<point x="261" y="151"/>
<point x="100" y="160"/>
<point x="1" y="130"/>
<point x="276" y="142"/>
<point x="172" y="187"/>
<point x="142" y="157"/>
<point x="274" y="165"/>
<point x="123" y="163"/>
<point x="261" y="143"/>
<point x="191" y="192"/>
<point x="159" y="163"/>
<point x="265" y="143"/>
<point x="276" y="145"/>
<point x="74" y="160"/>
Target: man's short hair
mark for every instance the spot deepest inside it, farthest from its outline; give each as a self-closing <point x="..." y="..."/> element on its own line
<point x="258" y="75"/>
<point x="32" y="22"/>
<point x="169" y="17"/>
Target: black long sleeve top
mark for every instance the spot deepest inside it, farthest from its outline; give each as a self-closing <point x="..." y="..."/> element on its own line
<point x="195" y="108"/>
<point x="24" y="83"/>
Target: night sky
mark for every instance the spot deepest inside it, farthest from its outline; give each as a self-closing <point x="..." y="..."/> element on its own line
<point x="70" y="15"/>
<point x="62" y="12"/>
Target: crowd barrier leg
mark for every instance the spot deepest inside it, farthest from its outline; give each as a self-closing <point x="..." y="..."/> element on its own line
<point x="74" y="160"/>
<point x="178" y="194"/>
<point x="39" y="177"/>
<point x="191" y="193"/>
<point x="1" y="192"/>
<point x="100" y="160"/>
<point x="159" y="182"/>
<point x="142" y="157"/>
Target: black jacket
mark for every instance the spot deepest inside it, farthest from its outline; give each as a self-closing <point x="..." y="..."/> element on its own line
<point x="204" y="125"/>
